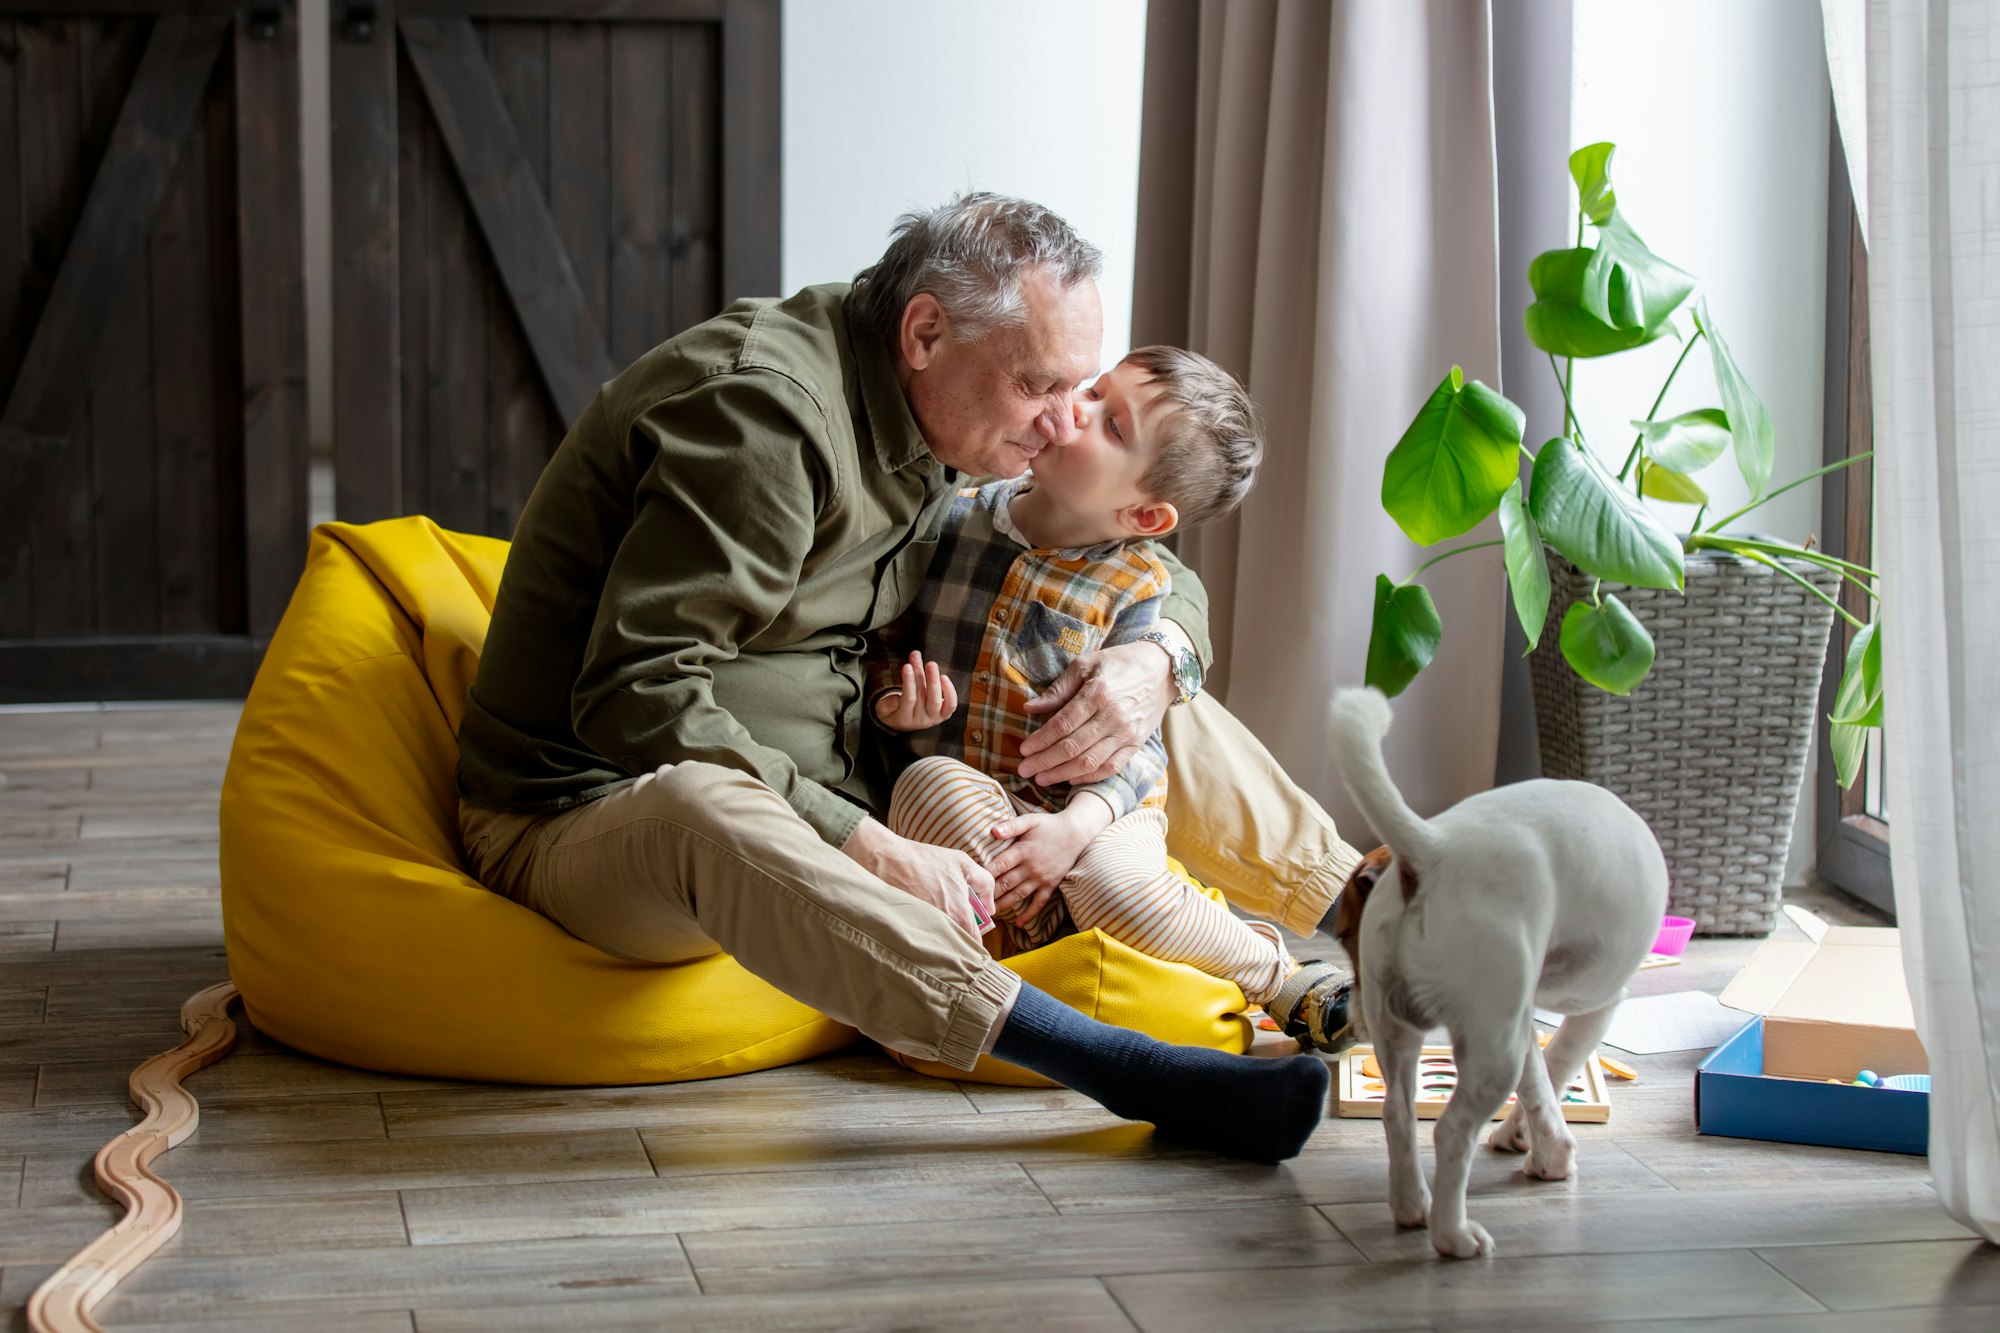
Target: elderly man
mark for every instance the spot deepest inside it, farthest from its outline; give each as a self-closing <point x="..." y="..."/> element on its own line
<point x="663" y="751"/>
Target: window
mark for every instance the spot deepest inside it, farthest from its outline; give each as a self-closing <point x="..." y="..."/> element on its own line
<point x="1852" y="825"/>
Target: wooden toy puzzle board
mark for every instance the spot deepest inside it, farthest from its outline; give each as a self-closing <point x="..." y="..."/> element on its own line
<point x="1584" y="1101"/>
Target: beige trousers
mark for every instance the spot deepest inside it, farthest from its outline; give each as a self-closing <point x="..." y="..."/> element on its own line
<point x="694" y="860"/>
<point x="1240" y="825"/>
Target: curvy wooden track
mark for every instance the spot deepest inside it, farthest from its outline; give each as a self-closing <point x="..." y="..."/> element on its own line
<point x="125" y="1170"/>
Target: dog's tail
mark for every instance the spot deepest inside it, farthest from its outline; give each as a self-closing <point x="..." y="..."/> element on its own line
<point x="1360" y="721"/>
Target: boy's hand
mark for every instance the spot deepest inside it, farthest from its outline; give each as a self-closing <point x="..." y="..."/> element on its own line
<point x="925" y="699"/>
<point x="1044" y="848"/>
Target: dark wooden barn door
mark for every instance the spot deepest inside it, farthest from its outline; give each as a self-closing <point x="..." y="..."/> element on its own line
<point x="528" y="194"/>
<point x="152" y="357"/>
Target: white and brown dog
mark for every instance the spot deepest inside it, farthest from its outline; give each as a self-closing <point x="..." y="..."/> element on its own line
<point x="1540" y="894"/>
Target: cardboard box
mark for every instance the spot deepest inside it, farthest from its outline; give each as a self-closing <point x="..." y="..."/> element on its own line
<point x="1834" y="1003"/>
<point x="1734" y="1097"/>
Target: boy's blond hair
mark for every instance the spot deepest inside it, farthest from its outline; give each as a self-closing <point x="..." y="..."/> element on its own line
<point x="1213" y="435"/>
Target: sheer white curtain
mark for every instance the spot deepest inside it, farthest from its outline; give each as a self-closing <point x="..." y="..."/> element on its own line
<point x="1320" y="217"/>
<point x="1934" y="323"/>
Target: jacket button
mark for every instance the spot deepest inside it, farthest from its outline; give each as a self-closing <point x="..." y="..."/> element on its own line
<point x="977" y="737"/>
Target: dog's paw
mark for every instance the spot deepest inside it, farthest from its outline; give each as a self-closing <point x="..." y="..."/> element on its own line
<point x="1552" y="1159"/>
<point x="1469" y="1241"/>
<point x="1511" y="1135"/>
<point x="1411" y="1209"/>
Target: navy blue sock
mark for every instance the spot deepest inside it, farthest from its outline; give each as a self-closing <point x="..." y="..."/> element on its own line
<point x="1239" y="1105"/>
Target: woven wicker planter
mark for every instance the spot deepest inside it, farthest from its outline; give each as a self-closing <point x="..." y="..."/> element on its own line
<point x="1711" y="748"/>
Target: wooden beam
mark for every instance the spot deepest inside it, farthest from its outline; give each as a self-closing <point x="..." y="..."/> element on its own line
<point x="42" y="9"/>
<point x="567" y="11"/>
<point x="534" y="267"/>
<point x="367" y="316"/>
<point x="269" y="229"/>
<point x="98" y="265"/>
<point x="752" y="164"/>
<point x="27" y="460"/>
<point x="182" y="666"/>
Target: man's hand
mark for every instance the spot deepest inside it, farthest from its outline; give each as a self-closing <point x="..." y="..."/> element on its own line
<point x="925" y="699"/>
<point x="1106" y="704"/>
<point x="944" y="878"/>
<point x="1044" y="848"/>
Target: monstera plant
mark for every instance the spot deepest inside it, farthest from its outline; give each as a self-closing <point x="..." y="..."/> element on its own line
<point x="1464" y="457"/>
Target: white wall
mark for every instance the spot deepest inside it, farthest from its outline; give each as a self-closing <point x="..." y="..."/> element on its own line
<point x="896" y="104"/>
<point x="1719" y="111"/>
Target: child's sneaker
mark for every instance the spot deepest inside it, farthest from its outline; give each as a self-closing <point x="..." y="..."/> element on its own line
<point x="1312" y="1007"/>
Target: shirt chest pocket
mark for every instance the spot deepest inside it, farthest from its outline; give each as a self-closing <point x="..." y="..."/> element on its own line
<point x="1047" y="641"/>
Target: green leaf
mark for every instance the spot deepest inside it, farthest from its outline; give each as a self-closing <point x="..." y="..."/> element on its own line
<point x="1527" y="563"/>
<point x="1850" y="747"/>
<point x="1405" y="635"/>
<point x="1559" y="325"/>
<point x="1663" y="484"/>
<point x="1749" y="424"/>
<point x="1607" y="645"/>
<point x="1454" y="462"/>
<point x="1654" y="289"/>
<point x="1857" y="705"/>
<point x="1590" y="167"/>
<point x="1604" y="528"/>
<point x="1686" y="443"/>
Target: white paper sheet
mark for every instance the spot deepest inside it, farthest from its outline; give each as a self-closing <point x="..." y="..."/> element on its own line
<point x="1688" y="1020"/>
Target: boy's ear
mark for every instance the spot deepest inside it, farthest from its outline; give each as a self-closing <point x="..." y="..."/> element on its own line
<point x="923" y="328"/>
<point x="1154" y="518"/>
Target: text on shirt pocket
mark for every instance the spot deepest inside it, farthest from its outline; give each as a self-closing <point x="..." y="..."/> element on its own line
<point x="1048" y="641"/>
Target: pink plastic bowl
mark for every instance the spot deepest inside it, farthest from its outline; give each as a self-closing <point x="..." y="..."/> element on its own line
<point x="1675" y="932"/>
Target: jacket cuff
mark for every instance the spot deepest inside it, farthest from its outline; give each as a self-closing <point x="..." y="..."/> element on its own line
<point x="831" y="817"/>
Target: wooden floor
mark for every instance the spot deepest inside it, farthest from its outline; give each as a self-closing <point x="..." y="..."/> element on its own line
<point x="846" y="1193"/>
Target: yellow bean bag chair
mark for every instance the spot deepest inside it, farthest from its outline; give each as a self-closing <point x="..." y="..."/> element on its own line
<point x="355" y="934"/>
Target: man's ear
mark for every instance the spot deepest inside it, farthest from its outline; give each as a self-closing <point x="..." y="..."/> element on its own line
<point x="925" y="326"/>
<point x="1153" y="519"/>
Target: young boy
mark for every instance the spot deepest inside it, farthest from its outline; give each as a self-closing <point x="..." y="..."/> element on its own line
<point x="1030" y="574"/>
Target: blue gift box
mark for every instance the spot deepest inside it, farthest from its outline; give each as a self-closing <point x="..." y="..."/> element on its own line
<point x="1733" y="1097"/>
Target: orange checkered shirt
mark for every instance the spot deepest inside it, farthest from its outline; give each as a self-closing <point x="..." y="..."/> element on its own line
<point x="1003" y="619"/>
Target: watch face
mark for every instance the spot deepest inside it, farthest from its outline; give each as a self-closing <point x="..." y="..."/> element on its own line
<point x="1187" y="671"/>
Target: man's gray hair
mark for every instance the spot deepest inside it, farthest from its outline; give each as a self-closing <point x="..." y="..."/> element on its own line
<point x="970" y="254"/>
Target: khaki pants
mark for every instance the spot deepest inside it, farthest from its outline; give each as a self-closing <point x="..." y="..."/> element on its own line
<point x="694" y="860"/>
<point x="1239" y="824"/>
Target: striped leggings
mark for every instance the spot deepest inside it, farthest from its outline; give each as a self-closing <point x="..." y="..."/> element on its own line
<point x="1120" y="885"/>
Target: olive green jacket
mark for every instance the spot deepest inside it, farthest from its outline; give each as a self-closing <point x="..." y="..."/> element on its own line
<point x="692" y="578"/>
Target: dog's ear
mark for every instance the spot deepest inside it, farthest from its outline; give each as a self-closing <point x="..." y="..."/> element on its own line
<point x="1361" y="882"/>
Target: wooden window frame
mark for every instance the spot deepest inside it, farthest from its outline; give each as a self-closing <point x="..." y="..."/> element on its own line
<point x="1852" y="844"/>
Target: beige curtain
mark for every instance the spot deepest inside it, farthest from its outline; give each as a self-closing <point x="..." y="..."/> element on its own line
<point x="1317" y="213"/>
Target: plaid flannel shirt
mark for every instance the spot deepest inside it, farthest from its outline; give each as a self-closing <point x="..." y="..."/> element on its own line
<point x="1003" y="619"/>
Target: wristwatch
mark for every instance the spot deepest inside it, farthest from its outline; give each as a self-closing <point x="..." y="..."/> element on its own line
<point x="1187" y="667"/>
